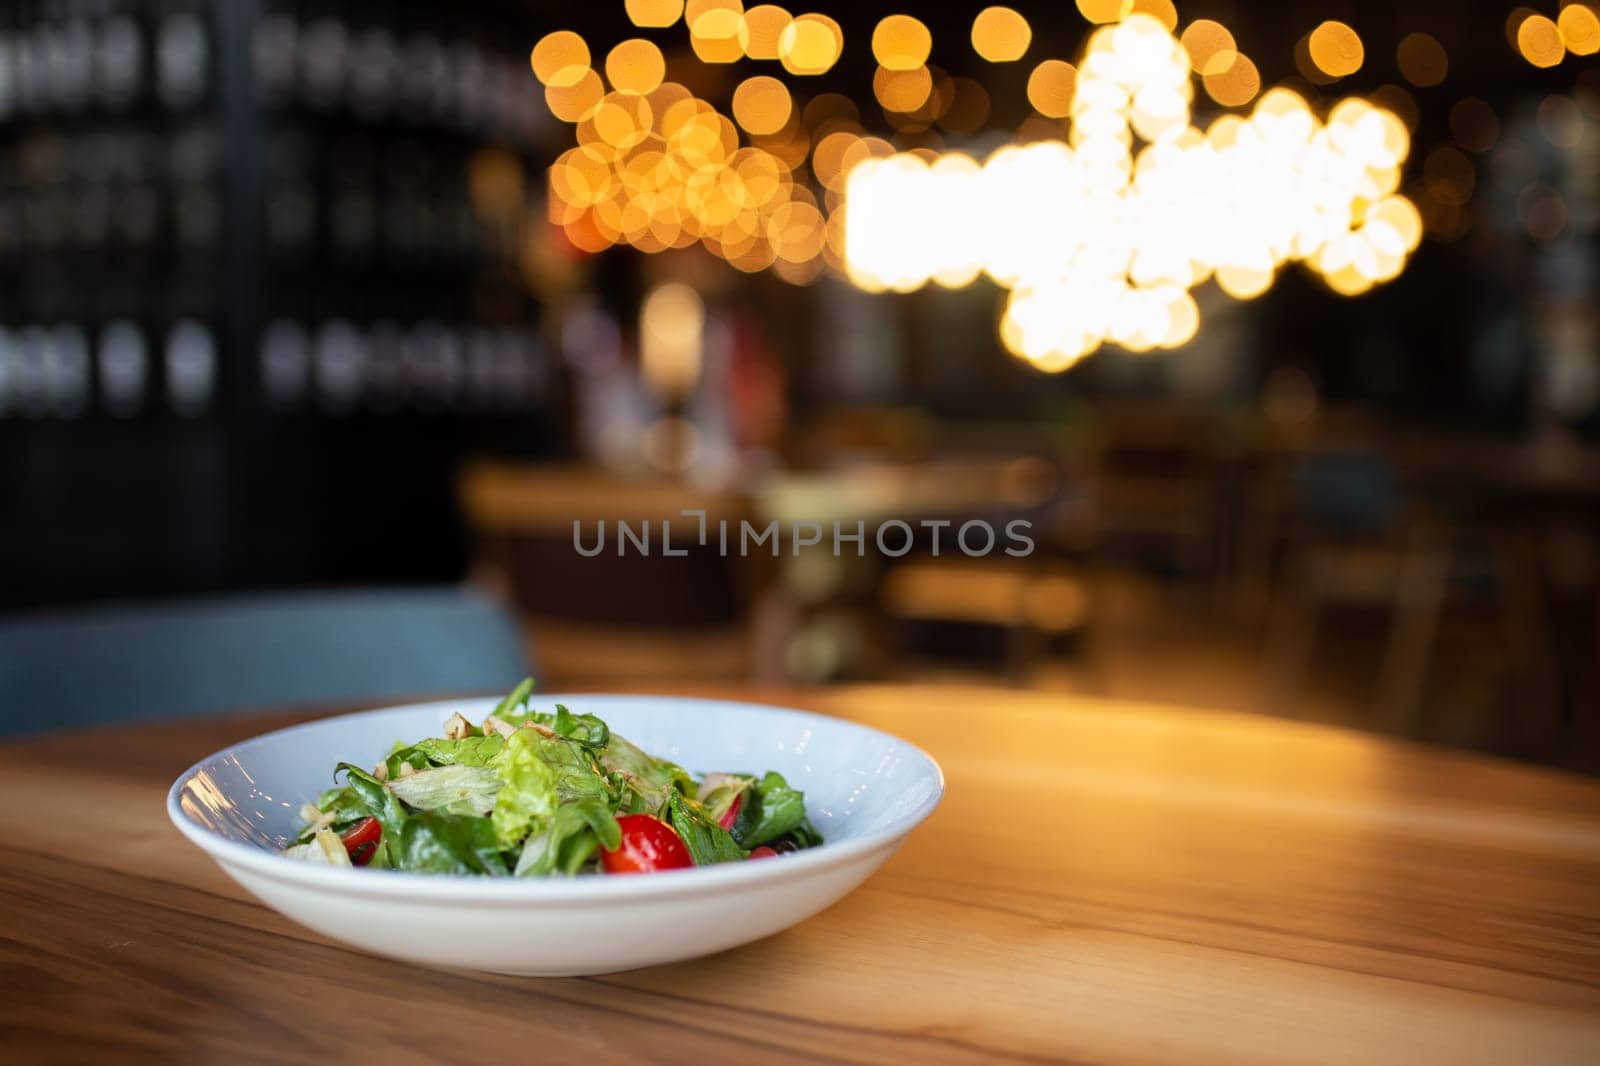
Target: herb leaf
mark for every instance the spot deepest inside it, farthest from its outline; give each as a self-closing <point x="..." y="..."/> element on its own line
<point x="583" y="729"/>
<point x="772" y="809"/>
<point x="707" y="841"/>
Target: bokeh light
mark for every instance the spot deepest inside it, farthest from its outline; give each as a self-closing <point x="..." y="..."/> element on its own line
<point x="900" y="42"/>
<point x="810" y="44"/>
<point x="714" y="29"/>
<point x="1001" y="35"/>
<point x="654" y="13"/>
<point x="1422" y="60"/>
<point x="762" y="105"/>
<point x="1561" y="121"/>
<point x="1236" y="85"/>
<point x="672" y="323"/>
<point x="761" y="29"/>
<point x="1099" y="239"/>
<point x="576" y="101"/>
<point x="1449" y="175"/>
<point x="560" y="59"/>
<point x="1050" y="88"/>
<point x="1335" y="49"/>
<point x="1100" y="219"/>
<point x="902" y="90"/>
<point x="1163" y="11"/>
<point x="1542" y="211"/>
<point x="1580" y="29"/>
<point x="635" y="66"/>
<point x="1210" y="46"/>
<point x="1539" y="41"/>
<point x="1102" y="11"/>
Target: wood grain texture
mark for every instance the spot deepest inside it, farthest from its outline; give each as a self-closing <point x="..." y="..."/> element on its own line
<point x="1104" y="883"/>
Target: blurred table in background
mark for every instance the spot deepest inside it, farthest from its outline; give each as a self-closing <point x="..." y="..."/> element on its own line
<point x="752" y="608"/>
<point x="620" y="613"/>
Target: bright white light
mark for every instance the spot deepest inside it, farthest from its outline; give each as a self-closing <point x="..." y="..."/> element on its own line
<point x="1101" y="238"/>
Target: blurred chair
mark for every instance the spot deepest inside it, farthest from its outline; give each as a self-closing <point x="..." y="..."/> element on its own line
<point x="74" y="668"/>
<point x="1159" y="475"/>
<point x="617" y="614"/>
<point x="1348" y="542"/>
<point x="1028" y="607"/>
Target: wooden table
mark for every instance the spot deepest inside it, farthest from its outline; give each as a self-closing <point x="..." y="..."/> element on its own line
<point x="1104" y="883"/>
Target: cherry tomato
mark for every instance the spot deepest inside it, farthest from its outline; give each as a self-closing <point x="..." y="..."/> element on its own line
<point x="763" y="852"/>
<point x="648" y="844"/>
<point x="361" y="840"/>
<point x="732" y="813"/>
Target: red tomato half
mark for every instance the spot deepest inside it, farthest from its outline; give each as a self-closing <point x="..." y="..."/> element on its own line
<point x="648" y="844"/>
<point x="361" y="840"/>
<point x="763" y="852"/>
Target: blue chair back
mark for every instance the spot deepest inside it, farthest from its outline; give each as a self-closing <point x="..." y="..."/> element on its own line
<point x="76" y="668"/>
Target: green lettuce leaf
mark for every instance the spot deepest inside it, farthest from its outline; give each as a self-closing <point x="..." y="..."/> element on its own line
<point x="435" y="842"/>
<point x="583" y="729"/>
<point x="455" y="789"/>
<point x="707" y="841"/>
<point x="772" y="809"/>
<point x="578" y="777"/>
<point x="374" y="799"/>
<point x="540" y="773"/>
<point x="649" y="782"/>
<point x="347" y="806"/>
<point x="515" y="709"/>
<point x="527" y="796"/>
<point x="805" y="834"/>
<point x="438" y="751"/>
<point x="570" y="839"/>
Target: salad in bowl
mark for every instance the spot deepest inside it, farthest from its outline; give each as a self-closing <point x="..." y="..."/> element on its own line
<point x="527" y="793"/>
<point x="490" y="834"/>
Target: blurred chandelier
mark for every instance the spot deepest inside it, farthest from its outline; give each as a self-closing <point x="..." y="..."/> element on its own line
<point x="1099" y="237"/>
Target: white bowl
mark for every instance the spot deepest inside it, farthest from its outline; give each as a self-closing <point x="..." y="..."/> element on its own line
<point x="864" y="790"/>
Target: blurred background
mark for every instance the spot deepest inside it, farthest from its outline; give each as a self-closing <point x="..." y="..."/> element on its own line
<point x="322" y="325"/>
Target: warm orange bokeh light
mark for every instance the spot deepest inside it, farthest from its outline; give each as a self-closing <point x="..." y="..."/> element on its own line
<point x="1050" y="88"/>
<point x="1235" y="86"/>
<point x="811" y="44"/>
<point x="1539" y="41"/>
<point x="635" y="66"/>
<point x="1580" y="29"/>
<point x="654" y="13"/>
<point x="560" y="59"/>
<point x="1336" y="49"/>
<point x="1100" y="11"/>
<point x="761" y="29"/>
<point x="902" y="90"/>
<point x="577" y="101"/>
<point x="901" y="42"/>
<point x="1001" y="35"/>
<point x="1210" y="46"/>
<point x="761" y="105"/>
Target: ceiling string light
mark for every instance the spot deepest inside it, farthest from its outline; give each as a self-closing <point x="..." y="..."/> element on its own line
<point x="1100" y="221"/>
<point x="1101" y="239"/>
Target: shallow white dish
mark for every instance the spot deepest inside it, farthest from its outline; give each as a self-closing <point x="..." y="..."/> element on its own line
<point x="865" y="791"/>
